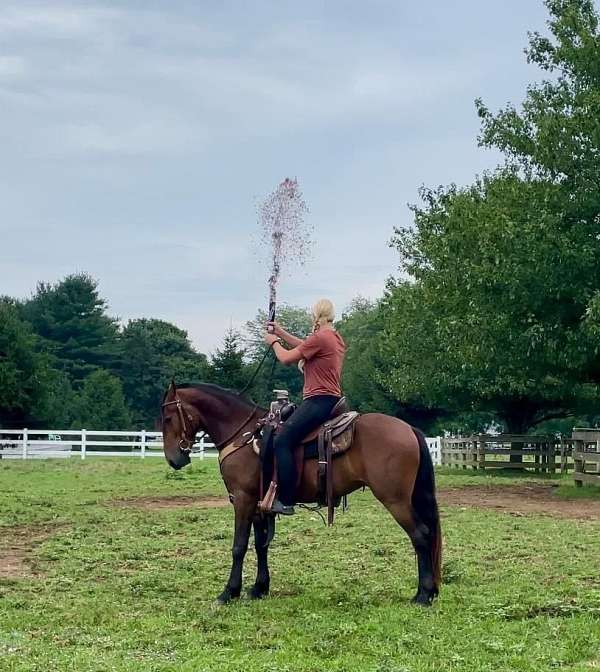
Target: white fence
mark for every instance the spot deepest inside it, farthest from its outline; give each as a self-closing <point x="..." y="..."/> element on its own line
<point x="434" y="443"/>
<point x="43" y="443"/>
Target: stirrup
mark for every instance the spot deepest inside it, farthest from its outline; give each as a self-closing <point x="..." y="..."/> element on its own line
<point x="282" y="509"/>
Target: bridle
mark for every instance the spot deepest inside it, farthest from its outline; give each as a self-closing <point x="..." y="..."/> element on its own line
<point x="186" y="444"/>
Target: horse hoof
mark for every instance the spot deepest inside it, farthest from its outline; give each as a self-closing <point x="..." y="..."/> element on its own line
<point x="225" y="598"/>
<point x="257" y="592"/>
<point x="423" y="599"/>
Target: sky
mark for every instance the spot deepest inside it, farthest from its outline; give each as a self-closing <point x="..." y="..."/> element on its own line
<point x="139" y="136"/>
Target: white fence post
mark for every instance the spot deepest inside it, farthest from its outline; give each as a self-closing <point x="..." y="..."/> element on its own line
<point x="83" y="443"/>
<point x="202" y="447"/>
<point x="25" y="432"/>
<point x="143" y="451"/>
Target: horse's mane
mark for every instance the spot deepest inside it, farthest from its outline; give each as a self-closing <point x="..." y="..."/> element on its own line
<point x="215" y="390"/>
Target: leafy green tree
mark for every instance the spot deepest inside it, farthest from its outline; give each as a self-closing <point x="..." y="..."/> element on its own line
<point x="365" y="372"/>
<point x="100" y="403"/>
<point x="361" y="327"/>
<point x="493" y="319"/>
<point x="502" y="313"/>
<point x="154" y="352"/>
<point x="556" y="133"/>
<point x="29" y="387"/>
<point x="71" y="318"/>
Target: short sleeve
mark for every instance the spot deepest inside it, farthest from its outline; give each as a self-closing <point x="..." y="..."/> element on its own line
<point x="310" y="346"/>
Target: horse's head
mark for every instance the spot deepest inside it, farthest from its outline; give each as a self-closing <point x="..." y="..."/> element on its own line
<point x="178" y="428"/>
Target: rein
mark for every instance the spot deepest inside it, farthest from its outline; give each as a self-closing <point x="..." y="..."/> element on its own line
<point x="255" y="373"/>
<point x="221" y="444"/>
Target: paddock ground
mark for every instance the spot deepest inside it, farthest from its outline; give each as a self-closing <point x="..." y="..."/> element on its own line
<point x="114" y="565"/>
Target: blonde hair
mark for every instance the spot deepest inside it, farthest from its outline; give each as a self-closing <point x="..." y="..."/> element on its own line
<point x="323" y="313"/>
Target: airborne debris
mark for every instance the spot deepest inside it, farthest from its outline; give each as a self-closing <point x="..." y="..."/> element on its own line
<point x="281" y="218"/>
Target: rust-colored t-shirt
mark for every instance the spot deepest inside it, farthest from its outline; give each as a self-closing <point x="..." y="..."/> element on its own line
<point x="324" y="353"/>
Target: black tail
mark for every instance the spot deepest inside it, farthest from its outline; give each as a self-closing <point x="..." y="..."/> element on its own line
<point x="425" y="505"/>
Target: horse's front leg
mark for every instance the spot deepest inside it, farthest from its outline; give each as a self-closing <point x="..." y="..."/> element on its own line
<point x="261" y="536"/>
<point x="245" y="507"/>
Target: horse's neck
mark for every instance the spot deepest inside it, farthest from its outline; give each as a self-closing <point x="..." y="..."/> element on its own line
<point x="220" y="416"/>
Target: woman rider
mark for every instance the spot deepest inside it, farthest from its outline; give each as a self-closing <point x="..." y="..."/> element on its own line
<point x="320" y="356"/>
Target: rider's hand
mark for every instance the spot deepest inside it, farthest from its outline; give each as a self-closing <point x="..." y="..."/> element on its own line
<point x="270" y="338"/>
<point x="274" y="328"/>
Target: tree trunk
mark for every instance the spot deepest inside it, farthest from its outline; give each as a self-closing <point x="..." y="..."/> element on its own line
<point x="518" y="421"/>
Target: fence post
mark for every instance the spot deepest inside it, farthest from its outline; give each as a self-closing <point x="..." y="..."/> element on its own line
<point x="481" y="453"/>
<point x="202" y="447"/>
<point x="83" y="443"/>
<point x="143" y="452"/>
<point x="25" y="433"/>
<point x="551" y="456"/>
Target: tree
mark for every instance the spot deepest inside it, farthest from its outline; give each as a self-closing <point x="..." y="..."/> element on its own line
<point x="28" y="385"/>
<point x="502" y="309"/>
<point x="154" y="352"/>
<point x="100" y="404"/>
<point x="71" y="318"/>
<point x="227" y="366"/>
<point x="361" y="327"/>
<point x="274" y="375"/>
<point x="493" y="319"/>
<point x="366" y="369"/>
<point x="556" y="134"/>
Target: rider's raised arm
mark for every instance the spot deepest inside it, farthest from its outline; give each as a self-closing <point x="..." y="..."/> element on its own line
<point x="290" y="339"/>
<point x="287" y="356"/>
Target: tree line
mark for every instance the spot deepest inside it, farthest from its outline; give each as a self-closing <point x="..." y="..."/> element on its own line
<point x="494" y="317"/>
<point x="65" y="362"/>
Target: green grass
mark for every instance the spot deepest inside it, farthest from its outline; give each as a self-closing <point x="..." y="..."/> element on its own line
<point x="130" y="590"/>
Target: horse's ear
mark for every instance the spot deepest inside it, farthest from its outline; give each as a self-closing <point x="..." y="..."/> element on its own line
<point x="171" y="390"/>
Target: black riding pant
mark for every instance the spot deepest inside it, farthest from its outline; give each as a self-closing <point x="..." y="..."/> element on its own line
<point x="311" y="413"/>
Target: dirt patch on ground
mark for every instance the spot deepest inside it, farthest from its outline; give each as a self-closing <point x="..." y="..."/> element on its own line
<point x="16" y="547"/>
<point x="518" y="500"/>
<point x="152" y="503"/>
<point x="521" y="500"/>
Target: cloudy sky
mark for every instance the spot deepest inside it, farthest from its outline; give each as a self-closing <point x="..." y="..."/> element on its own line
<point x="138" y="137"/>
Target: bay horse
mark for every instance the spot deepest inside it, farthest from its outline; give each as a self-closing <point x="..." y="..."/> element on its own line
<point x="387" y="455"/>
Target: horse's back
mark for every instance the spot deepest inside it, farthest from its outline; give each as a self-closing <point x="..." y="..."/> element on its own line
<point x="384" y="447"/>
<point x="387" y="428"/>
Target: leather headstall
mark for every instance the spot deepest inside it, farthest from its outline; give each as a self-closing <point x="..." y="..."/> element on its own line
<point x="185" y="444"/>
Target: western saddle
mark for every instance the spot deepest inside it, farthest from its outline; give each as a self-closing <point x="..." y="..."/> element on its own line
<point x="332" y="438"/>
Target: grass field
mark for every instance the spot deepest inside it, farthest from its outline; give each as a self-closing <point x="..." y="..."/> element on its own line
<point x="91" y="585"/>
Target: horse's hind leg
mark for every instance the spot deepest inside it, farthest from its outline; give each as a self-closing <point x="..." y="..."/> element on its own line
<point x="421" y="540"/>
<point x="244" y="507"/>
<point x="261" y="586"/>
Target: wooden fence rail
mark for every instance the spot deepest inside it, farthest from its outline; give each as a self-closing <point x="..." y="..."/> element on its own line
<point x="586" y="454"/>
<point x="542" y="454"/>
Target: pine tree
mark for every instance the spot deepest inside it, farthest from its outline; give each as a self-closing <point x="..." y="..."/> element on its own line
<point x="227" y="366"/>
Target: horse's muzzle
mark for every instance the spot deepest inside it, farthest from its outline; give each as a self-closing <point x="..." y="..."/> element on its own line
<point x="182" y="460"/>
